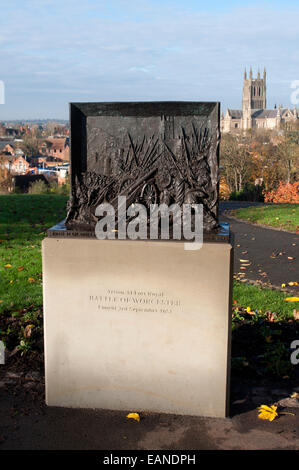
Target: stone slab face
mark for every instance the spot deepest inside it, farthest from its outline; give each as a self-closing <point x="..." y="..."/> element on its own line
<point x="137" y="325"/>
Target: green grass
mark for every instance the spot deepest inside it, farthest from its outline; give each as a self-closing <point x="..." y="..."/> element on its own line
<point x="262" y="299"/>
<point x="24" y="220"/>
<point x="283" y="216"/>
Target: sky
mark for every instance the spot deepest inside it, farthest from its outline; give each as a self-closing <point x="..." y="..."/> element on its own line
<point x="53" y="52"/>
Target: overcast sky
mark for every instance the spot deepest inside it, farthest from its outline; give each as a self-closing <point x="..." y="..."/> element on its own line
<point x="53" y="52"/>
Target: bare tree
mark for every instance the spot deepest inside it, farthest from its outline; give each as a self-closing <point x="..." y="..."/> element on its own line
<point x="236" y="160"/>
<point x="288" y="155"/>
<point x="30" y="146"/>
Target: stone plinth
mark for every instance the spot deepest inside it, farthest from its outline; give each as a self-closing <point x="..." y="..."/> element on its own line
<point x="137" y="325"/>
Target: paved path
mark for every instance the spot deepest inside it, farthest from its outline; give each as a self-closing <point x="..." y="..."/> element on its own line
<point x="26" y="423"/>
<point x="271" y="256"/>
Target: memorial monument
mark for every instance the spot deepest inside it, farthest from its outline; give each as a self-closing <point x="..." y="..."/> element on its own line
<point x="139" y="324"/>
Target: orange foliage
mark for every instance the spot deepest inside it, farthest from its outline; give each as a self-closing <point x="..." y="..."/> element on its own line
<point x="224" y="191"/>
<point x="286" y="192"/>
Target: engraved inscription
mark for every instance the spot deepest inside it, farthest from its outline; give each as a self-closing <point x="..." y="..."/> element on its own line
<point x="132" y="300"/>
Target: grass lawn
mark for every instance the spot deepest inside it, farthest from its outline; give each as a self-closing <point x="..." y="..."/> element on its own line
<point x="284" y="216"/>
<point x="24" y="220"/>
<point x="263" y="300"/>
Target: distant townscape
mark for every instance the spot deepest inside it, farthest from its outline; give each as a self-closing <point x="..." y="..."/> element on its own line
<point x="32" y="151"/>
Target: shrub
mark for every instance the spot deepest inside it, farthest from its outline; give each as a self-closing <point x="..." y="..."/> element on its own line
<point x="251" y="192"/>
<point x="63" y="189"/>
<point x="38" y="187"/>
<point x="286" y="192"/>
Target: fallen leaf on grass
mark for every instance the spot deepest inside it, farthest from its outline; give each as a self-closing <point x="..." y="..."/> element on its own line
<point x="31" y="279"/>
<point x="296" y="314"/>
<point x="134" y="416"/>
<point x="292" y="299"/>
<point x="248" y="310"/>
<point x="7" y="265"/>
<point x="271" y="317"/>
<point x="21" y="268"/>
<point x="28" y="331"/>
<point x="268" y="412"/>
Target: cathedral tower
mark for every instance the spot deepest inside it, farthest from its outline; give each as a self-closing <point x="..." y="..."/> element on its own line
<point x="254" y="92"/>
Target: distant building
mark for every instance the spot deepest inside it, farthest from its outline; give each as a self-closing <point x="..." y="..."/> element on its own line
<point x="254" y="113"/>
<point x="7" y="148"/>
<point x="15" y="164"/>
<point x="57" y="147"/>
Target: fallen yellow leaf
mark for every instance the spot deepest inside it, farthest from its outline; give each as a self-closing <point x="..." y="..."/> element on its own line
<point x="268" y="412"/>
<point x="134" y="416"/>
<point x="31" y="279"/>
<point x="283" y="285"/>
<point x="293" y="283"/>
<point x="7" y="265"/>
<point x="292" y="299"/>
